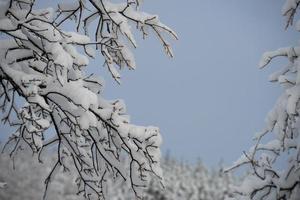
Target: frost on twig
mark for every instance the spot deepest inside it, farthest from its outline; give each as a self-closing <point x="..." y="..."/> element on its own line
<point x="42" y="64"/>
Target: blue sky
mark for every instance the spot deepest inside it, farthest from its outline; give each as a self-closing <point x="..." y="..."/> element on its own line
<point x="211" y="98"/>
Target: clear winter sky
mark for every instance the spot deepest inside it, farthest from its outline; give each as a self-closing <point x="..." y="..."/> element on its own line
<point x="211" y="98"/>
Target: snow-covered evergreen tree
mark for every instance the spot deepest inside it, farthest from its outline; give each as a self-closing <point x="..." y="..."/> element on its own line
<point x="269" y="178"/>
<point x="43" y="86"/>
<point x="25" y="179"/>
<point x="182" y="182"/>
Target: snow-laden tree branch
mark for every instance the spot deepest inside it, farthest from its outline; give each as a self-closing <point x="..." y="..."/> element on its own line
<point x="42" y="64"/>
<point x="275" y="165"/>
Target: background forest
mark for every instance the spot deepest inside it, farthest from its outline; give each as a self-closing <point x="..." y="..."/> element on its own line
<point x="182" y="181"/>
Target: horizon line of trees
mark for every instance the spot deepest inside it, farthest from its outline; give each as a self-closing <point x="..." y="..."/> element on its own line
<point x="182" y="181"/>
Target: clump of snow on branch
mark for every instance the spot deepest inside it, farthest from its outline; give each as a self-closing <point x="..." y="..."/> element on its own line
<point x="43" y="65"/>
<point x="269" y="178"/>
<point x="3" y="185"/>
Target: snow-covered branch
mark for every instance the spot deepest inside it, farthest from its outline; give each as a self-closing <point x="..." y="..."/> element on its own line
<point x="269" y="178"/>
<point x="41" y="64"/>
